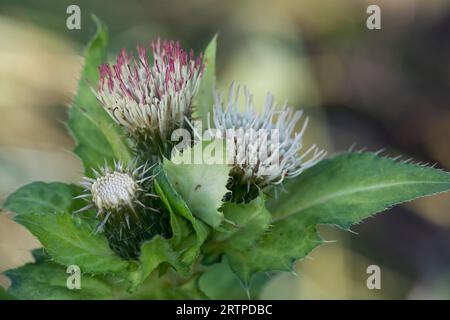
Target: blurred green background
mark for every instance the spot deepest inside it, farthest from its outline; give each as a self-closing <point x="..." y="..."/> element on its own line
<point x="377" y="89"/>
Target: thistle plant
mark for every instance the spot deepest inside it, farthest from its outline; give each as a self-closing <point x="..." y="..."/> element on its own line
<point x="266" y="148"/>
<point x="146" y="225"/>
<point x="151" y="99"/>
<point x="125" y="207"/>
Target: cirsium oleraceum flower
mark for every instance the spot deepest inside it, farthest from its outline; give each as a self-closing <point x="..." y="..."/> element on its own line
<point x="151" y="98"/>
<point x="126" y="207"/>
<point x="265" y="148"/>
<point x="117" y="193"/>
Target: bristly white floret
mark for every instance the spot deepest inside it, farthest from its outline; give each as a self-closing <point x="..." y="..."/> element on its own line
<point x="116" y="192"/>
<point x="151" y="100"/>
<point x="266" y="148"/>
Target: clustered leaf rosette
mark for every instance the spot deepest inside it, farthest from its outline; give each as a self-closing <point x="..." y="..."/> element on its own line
<point x="265" y="148"/>
<point x="151" y="98"/>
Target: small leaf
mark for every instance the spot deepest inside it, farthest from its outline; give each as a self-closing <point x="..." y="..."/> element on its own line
<point x="72" y="241"/>
<point x="202" y="186"/>
<point x="158" y="287"/>
<point x="188" y="234"/>
<point x="183" y="240"/>
<point x="155" y="252"/>
<point x="45" y="210"/>
<point x="340" y="191"/>
<point x="48" y="281"/>
<point x="179" y="212"/>
<point x="4" y="295"/>
<point x="219" y="282"/>
<point x="246" y="223"/>
<point x="204" y="99"/>
<point x="97" y="135"/>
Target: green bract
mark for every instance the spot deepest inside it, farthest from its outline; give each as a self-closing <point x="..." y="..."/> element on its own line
<point x="207" y="231"/>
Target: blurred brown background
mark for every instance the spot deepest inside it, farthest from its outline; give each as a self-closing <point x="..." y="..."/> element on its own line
<point x="377" y="89"/>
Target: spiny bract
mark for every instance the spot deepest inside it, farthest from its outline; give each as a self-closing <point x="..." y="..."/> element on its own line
<point x="265" y="148"/>
<point x="125" y="206"/>
<point x="151" y="100"/>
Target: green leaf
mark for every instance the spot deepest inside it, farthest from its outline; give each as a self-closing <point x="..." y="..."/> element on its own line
<point x="42" y="198"/>
<point x="71" y="241"/>
<point x="45" y="210"/>
<point x="4" y="295"/>
<point x="179" y="212"/>
<point x="202" y="186"/>
<point x="48" y="281"/>
<point x="183" y="240"/>
<point x="168" y="286"/>
<point x="204" y="99"/>
<point x="340" y="191"/>
<point x="39" y="255"/>
<point x="98" y="137"/>
<point x="219" y="282"/>
<point x="155" y="252"/>
<point x="248" y="222"/>
<point x="188" y="234"/>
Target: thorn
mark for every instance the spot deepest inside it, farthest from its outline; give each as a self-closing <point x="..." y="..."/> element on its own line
<point x="352" y="147"/>
<point x="140" y="203"/>
<point x="151" y="195"/>
<point x="81" y="196"/>
<point x="153" y="209"/>
<point x="407" y="161"/>
<point x="89" y="206"/>
<point x="247" y="292"/>
<point x="145" y="179"/>
<point x="379" y="151"/>
<point x="127" y="219"/>
<point x="234" y="224"/>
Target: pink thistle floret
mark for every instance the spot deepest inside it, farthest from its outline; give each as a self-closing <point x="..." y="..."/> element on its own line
<point x="151" y="99"/>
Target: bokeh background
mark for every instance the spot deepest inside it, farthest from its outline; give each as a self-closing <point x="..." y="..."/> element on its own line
<point x="372" y="89"/>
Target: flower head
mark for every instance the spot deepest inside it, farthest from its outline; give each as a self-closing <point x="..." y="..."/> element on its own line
<point x="151" y="99"/>
<point x="114" y="190"/>
<point x="126" y="207"/>
<point x="265" y="148"/>
<point x="117" y="193"/>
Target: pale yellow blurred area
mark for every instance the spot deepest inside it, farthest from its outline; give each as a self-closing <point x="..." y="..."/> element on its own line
<point x="37" y="69"/>
<point x="38" y="72"/>
<point x="15" y="245"/>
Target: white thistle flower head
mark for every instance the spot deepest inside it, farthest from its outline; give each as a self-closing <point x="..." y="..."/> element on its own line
<point x="116" y="193"/>
<point x="114" y="190"/>
<point x="265" y="148"/>
<point x="151" y="99"/>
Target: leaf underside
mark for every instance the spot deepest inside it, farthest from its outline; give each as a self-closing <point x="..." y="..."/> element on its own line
<point x="202" y="186"/>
